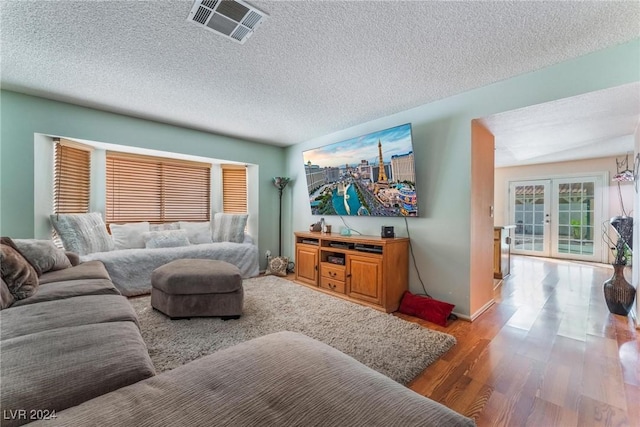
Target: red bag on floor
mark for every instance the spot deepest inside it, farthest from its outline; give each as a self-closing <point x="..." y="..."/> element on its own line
<point x="425" y="308"/>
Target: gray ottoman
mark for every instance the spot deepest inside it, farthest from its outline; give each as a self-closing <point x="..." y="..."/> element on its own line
<point x="197" y="287"/>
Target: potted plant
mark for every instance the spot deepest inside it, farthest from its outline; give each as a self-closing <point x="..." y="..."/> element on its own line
<point x="575" y="227"/>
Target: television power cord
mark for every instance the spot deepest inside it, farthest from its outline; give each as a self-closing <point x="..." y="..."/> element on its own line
<point x="351" y="229"/>
<point x="413" y="256"/>
<point x="415" y="266"/>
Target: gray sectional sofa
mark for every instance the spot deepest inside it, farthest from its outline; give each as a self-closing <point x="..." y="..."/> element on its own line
<point x="72" y="355"/>
<point x="75" y="339"/>
<point x="282" y="379"/>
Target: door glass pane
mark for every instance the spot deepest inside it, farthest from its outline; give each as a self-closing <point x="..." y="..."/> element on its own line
<point x="563" y="220"/>
<point x="529" y="217"/>
<point x="576" y="218"/>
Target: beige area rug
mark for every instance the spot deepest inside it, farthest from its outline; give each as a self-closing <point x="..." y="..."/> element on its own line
<point x="387" y="344"/>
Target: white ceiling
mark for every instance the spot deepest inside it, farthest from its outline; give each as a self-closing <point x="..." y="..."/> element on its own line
<point x="596" y="124"/>
<point x="314" y="67"/>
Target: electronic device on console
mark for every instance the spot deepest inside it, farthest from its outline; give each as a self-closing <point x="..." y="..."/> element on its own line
<point x="333" y="259"/>
<point x="387" y="232"/>
<point x="368" y="248"/>
<point x="341" y="245"/>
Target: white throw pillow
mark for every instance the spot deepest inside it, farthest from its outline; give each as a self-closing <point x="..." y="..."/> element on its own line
<point x="82" y="233"/>
<point x="129" y="236"/>
<point x="165" y="239"/>
<point x="229" y="227"/>
<point x="197" y="232"/>
<point x="164" y="226"/>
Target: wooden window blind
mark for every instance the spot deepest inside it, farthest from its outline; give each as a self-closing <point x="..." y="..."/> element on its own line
<point x="156" y="189"/>
<point x="234" y="189"/>
<point x="72" y="178"/>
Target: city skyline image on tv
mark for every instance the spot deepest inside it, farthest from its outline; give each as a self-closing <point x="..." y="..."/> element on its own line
<point x="370" y="175"/>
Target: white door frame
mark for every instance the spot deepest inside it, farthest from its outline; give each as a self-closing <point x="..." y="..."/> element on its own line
<point x="601" y="210"/>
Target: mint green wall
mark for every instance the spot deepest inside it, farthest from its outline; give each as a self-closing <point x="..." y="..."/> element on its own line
<point x="442" y="149"/>
<point x="441" y="131"/>
<point x="22" y="116"/>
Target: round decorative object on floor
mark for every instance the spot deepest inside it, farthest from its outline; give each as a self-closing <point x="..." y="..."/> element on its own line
<point x="618" y="293"/>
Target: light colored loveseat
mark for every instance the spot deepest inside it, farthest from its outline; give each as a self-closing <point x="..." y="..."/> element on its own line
<point x="130" y="269"/>
<point x="134" y="250"/>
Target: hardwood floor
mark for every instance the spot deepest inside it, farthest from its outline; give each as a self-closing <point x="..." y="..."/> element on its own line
<point x="548" y="353"/>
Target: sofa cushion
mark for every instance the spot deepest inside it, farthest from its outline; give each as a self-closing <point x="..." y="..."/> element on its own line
<point x="43" y="254"/>
<point x="19" y="275"/>
<point x="229" y="227"/>
<point x="82" y="233"/>
<point x="128" y="236"/>
<point x="70" y="289"/>
<point x="76" y="311"/>
<point x="74" y="258"/>
<point x="6" y="298"/>
<point x="86" y="270"/>
<point x="279" y="379"/>
<point x="165" y="239"/>
<point x="197" y="232"/>
<point x="69" y="366"/>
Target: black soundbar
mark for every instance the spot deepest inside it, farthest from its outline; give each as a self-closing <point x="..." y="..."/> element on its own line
<point x="368" y="248"/>
<point x="341" y="245"/>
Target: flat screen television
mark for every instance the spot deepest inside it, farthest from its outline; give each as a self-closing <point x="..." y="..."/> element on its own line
<point x="371" y="175"/>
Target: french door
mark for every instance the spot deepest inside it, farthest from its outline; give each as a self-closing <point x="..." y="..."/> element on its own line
<point x="530" y="203"/>
<point x="559" y="218"/>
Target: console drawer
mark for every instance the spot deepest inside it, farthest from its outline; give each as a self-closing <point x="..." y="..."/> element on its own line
<point x="332" y="271"/>
<point x="332" y="284"/>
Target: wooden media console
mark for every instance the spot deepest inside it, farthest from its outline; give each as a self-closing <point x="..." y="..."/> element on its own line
<point x="369" y="270"/>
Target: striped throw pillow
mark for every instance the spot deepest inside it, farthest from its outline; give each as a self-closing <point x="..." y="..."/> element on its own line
<point x="229" y="227"/>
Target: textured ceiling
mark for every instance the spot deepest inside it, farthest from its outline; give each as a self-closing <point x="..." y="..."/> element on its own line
<point x="596" y="124"/>
<point x="311" y="69"/>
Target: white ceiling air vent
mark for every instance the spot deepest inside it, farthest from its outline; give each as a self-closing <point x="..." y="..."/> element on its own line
<point x="233" y="19"/>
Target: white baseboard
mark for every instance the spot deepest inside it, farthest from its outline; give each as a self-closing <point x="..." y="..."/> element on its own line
<point x="484" y="308"/>
<point x="462" y="316"/>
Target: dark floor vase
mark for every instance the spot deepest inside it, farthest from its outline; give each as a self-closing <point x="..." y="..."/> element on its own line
<point x="618" y="293"/>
